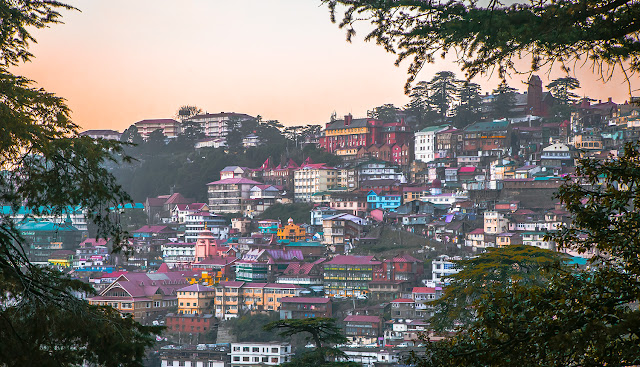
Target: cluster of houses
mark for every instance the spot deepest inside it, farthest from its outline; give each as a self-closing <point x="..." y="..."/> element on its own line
<point x="489" y="184"/>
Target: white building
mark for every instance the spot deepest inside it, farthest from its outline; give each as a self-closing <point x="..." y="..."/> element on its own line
<point x="443" y="266"/>
<point x="425" y="142"/>
<point x="178" y="253"/>
<point x="196" y="222"/>
<point x="260" y="354"/>
<point x="216" y="125"/>
<point x="312" y="178"/>
<point x="447" y="198"/>
<point x="102" y="134"/>
<point x="368" y="357"/>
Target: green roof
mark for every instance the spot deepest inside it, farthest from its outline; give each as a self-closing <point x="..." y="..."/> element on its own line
<point x="487" y="126"/>
<point x="44" y="226"/>
<point x="434" y="128"/>
<point x="306" y="244"/>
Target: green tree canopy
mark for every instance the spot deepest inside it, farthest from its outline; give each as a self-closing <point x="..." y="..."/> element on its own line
<point x="488" y="36"/>
<point x="48" y="167"/>
<point x="469" y="109"/>
<point x="504" y="101"/>
<point x="443" y="91"/>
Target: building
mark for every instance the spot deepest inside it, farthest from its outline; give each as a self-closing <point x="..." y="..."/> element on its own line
<point x="425" y="142"/>
<point x="203" y="355"/>
<point x="303" y="274"/>
<point x="102" y="134"/>
<point x="197" y="222"/>
<point x="346" y="137"/>
<point x="292" y="232"/>
<point x="229" y="195"/>
<point x="190" y="324"/>
<point x="311" y="178"/>
<point x="488" y="138"/>
<point x="235" y="296"/>
<point x="348" y="276"/>
<point x="42" y="239"/>
<point x="178" y="254"/>
<point x="495" y="222"/>
<point x="145" y="296"/>
<point x="377" y="199"/>
<point x="260" y="354"/>
<point x="195" y="299"/>
<point x="403" y="308"/>
<point x="363" y="329"/>
<point x="169" y="127"/>
<point x="216" y="125"/>
<point x="422" y="296"/>
<point x="305" y="307"/>
<point x="442" y="267"/>
<point x="558" y="155"/>
<point x="341" y="230"/>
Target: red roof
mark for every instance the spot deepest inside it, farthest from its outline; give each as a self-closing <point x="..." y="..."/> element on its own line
<point x="402" y="300"/>
<point x="156" y="121"/>
<point x="196" y="288"/>
<point x="477" y="231"/>
<point x="353" y="260"/>
<point x="305" y="300"/>
<point x="467" y="169"/>
<point x="429" y="290"/>
<point x="362" y="318"/>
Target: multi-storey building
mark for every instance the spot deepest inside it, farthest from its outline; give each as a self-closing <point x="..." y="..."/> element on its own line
<point x="144" y="296"/>
<point x="495" y="222"/>
<point x="442" y="267"/>
<point x="216" y="125"/>
<point x="178" y="254"/>
<point x="363" y="329"/>
<point x="448" y="143"/>
<point x="230" y="194"/>
<point x="346" y="137"/>
<point x="313" y="177"/>
<point x="260" y="354"/>
<point x="341" y="230"/>
<point x="195" y="223"/>
<point x="232" y="297"/>
<point x="292" y="232"/>
<point x="490" y="138"/>
<point x="102" y="134"/>
<point x="170" y="127"/>
<point x="305" y="307"/>
<point x="348" y="276"/>
<point x="425" y="142"/>
<point x="195" y="299"/>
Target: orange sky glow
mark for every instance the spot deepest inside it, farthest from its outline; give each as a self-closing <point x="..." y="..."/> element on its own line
<point x="117" y="62"/>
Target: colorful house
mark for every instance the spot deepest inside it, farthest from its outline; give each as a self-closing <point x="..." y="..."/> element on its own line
<point x="384" y="200"/>
<point x="292" y="232"/>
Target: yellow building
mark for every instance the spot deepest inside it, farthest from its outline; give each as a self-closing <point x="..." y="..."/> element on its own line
<point x="195" y="299"/>
<point x="292" y="232"/>
<point x="234" y="296"/>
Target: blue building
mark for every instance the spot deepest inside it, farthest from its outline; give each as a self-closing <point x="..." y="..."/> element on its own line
<point x="382" y="200"/>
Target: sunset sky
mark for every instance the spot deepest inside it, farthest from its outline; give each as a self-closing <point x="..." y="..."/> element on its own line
<point x="118" y="62"/>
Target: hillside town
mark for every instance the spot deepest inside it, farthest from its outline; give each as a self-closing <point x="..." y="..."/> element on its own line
<point x="384" y="229"/>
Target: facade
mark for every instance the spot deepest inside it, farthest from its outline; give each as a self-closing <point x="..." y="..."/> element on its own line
<point x="312" y="178"/>
<point x="292" y="232"/>
<point x="195" y="299"/>
<point x="425" y="142"/>
<point x="260" y="354"/>
<point x="341" y="230"/>
<point x="495" y="222"/>
<point x="144" y="296"/>
<point x="178" y="254"/>
<point x="229" y="195"/>
<point x="195" y="223"/>
<point x="363" y="329"/>
<point x="216" y="125"/>
<point x="235" y="296"/>
<point x="305" y="307"/>
<point x="348" y="276"/>
<point x="491" y="138"/>
<point x="384" y="200"/>
<point x="170" y="127"/>
<point x="102" y="134"/>
<point x="190" y="323"/>
<point x="442" y="267"/>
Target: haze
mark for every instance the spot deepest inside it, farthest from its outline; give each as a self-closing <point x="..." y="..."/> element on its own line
<point x="117" y="62"/>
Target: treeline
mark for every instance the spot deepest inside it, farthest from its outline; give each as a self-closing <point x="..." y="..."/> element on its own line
<point x="162" y="164"/>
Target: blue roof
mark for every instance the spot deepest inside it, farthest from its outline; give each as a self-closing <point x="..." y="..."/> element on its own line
<point x="577" y="260"/>
<point x="44" y="226"/>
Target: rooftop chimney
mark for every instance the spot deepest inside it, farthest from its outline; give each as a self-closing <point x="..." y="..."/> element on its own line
<point x="347" y="119"/>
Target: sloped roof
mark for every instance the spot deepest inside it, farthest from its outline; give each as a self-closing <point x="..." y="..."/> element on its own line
<point x="196" y="288"/>
<point x="362" y="318"/>
<point x="305" y="300"/>
<point x="235" y="180"/>
<point x="353" y="260"/>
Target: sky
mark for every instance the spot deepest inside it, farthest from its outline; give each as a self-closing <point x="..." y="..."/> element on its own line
<point x="117" y="62"/>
